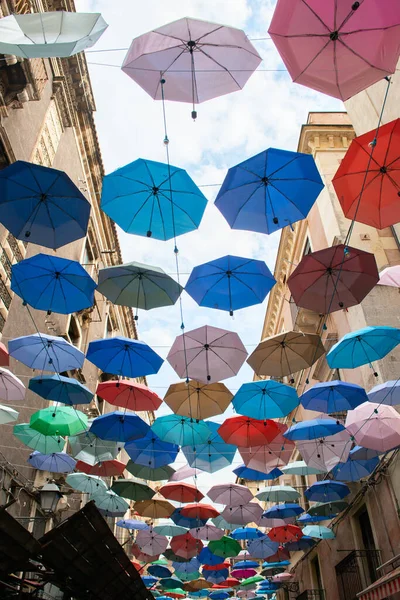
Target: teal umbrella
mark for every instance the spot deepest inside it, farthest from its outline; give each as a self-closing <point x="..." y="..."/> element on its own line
<point x="110" y="504"/>
<point x="89" y="484"/>
<point x="319" y="531"/>
<point x="59" y="420"/>
<point x="278" y="493"/>
<point x="132" y="489"/>
<point x="46" y="444"/>
<point x="143" y="472"/>
<point x="181" y="430"/>
<point x="170" y="529"/>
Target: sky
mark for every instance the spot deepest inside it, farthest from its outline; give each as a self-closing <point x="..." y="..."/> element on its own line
<point x="268" y="112"/>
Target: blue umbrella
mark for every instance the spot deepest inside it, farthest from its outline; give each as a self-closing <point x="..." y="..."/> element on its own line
<point x="265" y="400"/>
<point x="123" y="356"/>
<point x="58" y="462"/>
<point x="42" y="205"/>
<point x="307" y="518"/>
<point x="325" y="491"/>
<point x="246" y="533"/>
<point x="361" y="453"/>
<point x="217" y="576"/>
<point x="276" y="565"/>
<point x="132" y="524"/>
<point x="118" y="426"/>
<point x="52" y="283"/>
<point x="283" y="511"/>
<point x="313" y="429"/>
<point x="60" y="389"/>
<point x="266" y="586"/>
<point x="188" y="567"/>
<point x="159" y="571"/>
<point x="46" y="353"/>
<point x="333" y="396"/>
<point x="262" y="547"/>
<point x="269" y="191"/>
<point x="318" y="531"/>
<point x="206" y="557"/>
<point x="181" y="430"/>
<point x="149" y="581"/>
<point x="247" y="564"/>
<point x="230" y="283"/>
<point x="303" y="543"/>
<point x="253" y="475"/>
<point x="219" y="595"/>
<point x="153" y="199"/>
<point x="212" y="454"/>
<point x="362" y="347"/>
<point x="354" y="470"/>
<point x="187" y="522"/>
<point x="152" y="452"/>
<point x="386" y="393"/>
<point x="198" y="594"/>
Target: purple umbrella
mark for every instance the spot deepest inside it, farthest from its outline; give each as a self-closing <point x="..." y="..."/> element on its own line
<point x="183" y="473"/>
<point x="207" y="533"/>
<point x="324" y="453"/>
<point x="241" y="515"/>
<point x="58" y="462"/>
<point x="231" y="494"/>
<point x="150" y="542"/>
<point x="208" y="354"/>
<point x="11" y="388"/>
<point x="262" y="548"/>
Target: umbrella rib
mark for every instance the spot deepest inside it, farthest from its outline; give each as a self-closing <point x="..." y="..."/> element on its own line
<point x="312" y="60"/>
<point x="361" y="57"/>
<point x="222" y="67"/>
<point x="180" y="208"/>
<point x="246" y="201"/>
<point x="138" y="210"/>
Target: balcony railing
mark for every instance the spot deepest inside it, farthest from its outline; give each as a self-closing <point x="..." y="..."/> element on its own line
<point x="316" y="594"/>
<point x="5" y="295"/>
<point x="356" y="572"/>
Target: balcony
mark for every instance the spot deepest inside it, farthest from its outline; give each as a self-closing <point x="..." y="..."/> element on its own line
<point x="356" y="572"/>
<point x="316" y="594"/>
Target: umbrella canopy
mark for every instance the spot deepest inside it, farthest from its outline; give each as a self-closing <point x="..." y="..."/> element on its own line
<point x="207" y="354"/>
<point x="169" y="529"/>
<point x="190" y="566"/>
<point x="300" y="467"/>
<point x="269" y="191"/>
<point x="198" y="400"/>
<point x="59" y="420"/>
<point x="313" y="429"/>
<point x="207" y="533"/>
<point x="142" y="556"/>
<point x="91" y="449"/>
<point x="268" y="522"/>
<point x="89" y="484"/>
<point x="186" y="546"/>
<point x="46" y="444"/>
<point x="181" y="492"/>
<point x="153" y="199"/>
<point x="354" y="470"/>
<point x="246" y="533"/>
<point x="110" y="504"/>
<point x="362" y="347"/>
<point x="197" y="510"/>
<point x="216" y="576"/>
<point x="243" y="514"/>
<point x="61" y="389"/>
<point x="150" y="451"/>
<point x="278" y="493"/>
<point x="248" y="474"/>
<point x="58" y="462"/>
<point x="283" y="511"/>
<point x="108" y="468"/>
<point x="11" y="388"/>
<point x="281" y="555"/>
<point x="119" y="426"/>
<point x="123" y="356"/>
<point x="44" y="352"/>
<point x="226" y="547"/>
<point x="132" y="524"/>
<point x="333" y="396"/>
<point x="319" y="532"/>
<point x="223" y="523"/>
<point x="170" y="555"/>
<point x="183" y="472"/>
<point x="333" y="278"/>
<point x="247" y="564"/>
<point x="385" y="393"/>
<point x="304" y="543"/>
<point x="4" y="356"/>
<point x="390" y="276"/>
<point x="159" y="571"/>
<point x="272" y="456"/>
<point x="212" y="455"/>
<point x="198" y="584"/>
<point x="230" y="493"/>
<point x="133" y="490"/>
<point x="243" y="573"/>
<point x="374" y="426"/>
<point x="230" y="283"/>
<point x="324" y="491"/>
<point x="324" y="453"/>
<point x="361" y="453"/>
<point x="151" y="543"/>
<point x="36" y="210"/>
<point x="327" y="510"/>
<point x="128" y="394"/>
<point x="265" y="399"/>
<point x="154" y="509"/>
<point x="286" y="353"/>
<point x="170" y="583"/>
<point x="149" y="581"/>
<point x="181" y="430"/>
<point x="186" y="521"/>
<point x="247" y="432"/>
<point x="262" y="548"/>
<point x="53" y="283"/>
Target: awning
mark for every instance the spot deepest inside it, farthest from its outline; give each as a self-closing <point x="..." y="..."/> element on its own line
<point x="382" y="588"/>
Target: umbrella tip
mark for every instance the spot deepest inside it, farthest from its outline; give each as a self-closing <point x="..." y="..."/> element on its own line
<point x="275" y="220"/>
<point x="194" y="115"/>
<point x="27" y="234"/>
<point x="149" y="234"/>
<point x="355" y="6"/>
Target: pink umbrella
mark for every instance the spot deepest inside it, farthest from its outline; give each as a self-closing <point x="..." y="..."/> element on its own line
<point x="151" y="543"/>
<point x="390" y="276"/>
<point x="11" y="388"/>
<point x="207" y="533"/>
<point x="243" y="573"/>
<point x="208" y="354"/>
<point x="375" y="426"/>
<point x="324" y="453"/>
<point x="142" y="556"/>
<point x="266" y="522"/>
<point x="282" y="577"/>
<point x="337" y="47"/>
<point x="196" y="60"/>
<point x="231" y="494"/>
<point x="241" y="515"/>
<point x="183" y="473"/>
<point x="245" y="593"/>
<point x="265" y="458"/>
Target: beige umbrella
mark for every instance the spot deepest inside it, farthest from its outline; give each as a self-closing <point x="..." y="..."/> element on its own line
<point x="286" y="353"/>
<point x="154" y="508"/>
<point x="198" y="400"/>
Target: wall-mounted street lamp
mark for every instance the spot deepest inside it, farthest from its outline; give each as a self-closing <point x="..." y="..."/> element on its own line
<point x="50" y="496"/>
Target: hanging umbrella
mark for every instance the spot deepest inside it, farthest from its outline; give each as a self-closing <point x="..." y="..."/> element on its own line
<point x="246" y="533"/>
<point x="262" y="548"/>
<point x="212" y="455"/>
<point x="324" y="491"/>
<point x="149" y="581"/>
<point x="198" y="400"/>
<point x="178" y="593"/>
<point x="129" y="395"/>
<point x="151" y="543"/>
<point x="154" y="509"/>
<point x="252" y="580"/>
<point x="59" y="420"/>
<point x="184" y="521"/>
<point x="243" y="573"/>
<point x="153" y="199"/>
<point x="248" y="474"/>
<point x="119" y="426"/>
<point x="169" y="529"/>
<point x="333" y="396"/>
<point x="361" y="453"/>
<point x="4" y="356"/>
<point x="170" y="555"/>
<point x="300" y="467"/>
<point x="170" y="583"/>
<point x="191" y="566"/>
<point x="207" y="533"/>
<point x="307" y="519"/>
<point x="226" y="547"/>
<point x="216" y="577"/>
<point x="142" y="556"/>
<point x="223" y="523"/>
<point x="184" y="472"/>
<point x="319" y="532"/>
<point x="11" y="388"/>
<point x="60" y="389"/>
<point x="333" y="279"/>
<point x="46" y="444"/>
<point x="181" y="430"/>
<point x="304" y="543"/>
<point x="143" y="472"/>
<point x="390" y="276"/>
<point x="313" y="429"/>
<point x="247" y="564"/>
<point x="91" y="449"/>
<point x="283" y="511"/>
<point x="150" y="451"/>
<point x="186" y="546"/>
<point x="271" y="456"/>
<point x="354" y="470"/>
<point x="133" y="489"/>
<point x="197" y="510"/>
<point x="265" y="399"/>
<point x="284" y="534"/>
<point x="324" y="453"/>
<point x="281" y="555"/>
<point x="132" y="524"/>
<point x="230" y="283"/>
<point x="327" y="510"/>
<point x="46" y="353"/>
<point x="108" y="468"/>
<point x="181" y="492"/>
<point x="362" y="347"/>
<point x="198" y="585"/>
<point x="385" y="393"/>
<point x="268" y="522"/>
<point x="230" y="493"/>
<point x="246" y="432"/>
<point x="123" y="356"/>
<point x="41" y="205"/>
<point x="221" y="595"/>
<point x="207" y="354"/>
<point x="159" y="571"/>
<point x="278" y="493"/>
<point x="53" y="283"/>
<point x="109" y="504"/>
<point x="211" y="562"/>
<point x="242" y="515"/>
<point x="58" y="462"/>
<point x="89" y="484"/>
<point x="190" y="576"/>
<point x="269" y="191"/>
<point x="374" y="426"/>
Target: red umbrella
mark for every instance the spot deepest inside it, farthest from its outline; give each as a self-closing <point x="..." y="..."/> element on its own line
<point x="379" y="205"/>
<point x="174" y="595"/>
<point x="285" y="533"/>
<point x="186" y="545"/>
<point x="243" y="431"/>
<point x="128" y="394"/>
<point x="199" y="511"/>
<point x="229" y="582"/>
<point x="270" y="456"/>
<point x="280" y="555"/>
<point x="108" y="468"/>
<point x="181" y="492"/>
<point x="4" y="356"/>
<point x="333" y="278"/>
<point x="224" y="565"/>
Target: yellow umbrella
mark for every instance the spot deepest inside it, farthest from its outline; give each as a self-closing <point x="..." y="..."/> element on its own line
<point x="198" y="400"/>
<point x="154" y="509"/>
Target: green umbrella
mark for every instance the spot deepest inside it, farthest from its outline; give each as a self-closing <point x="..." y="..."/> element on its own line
<point x="190" y="576"/>
<point x="326" y="509"/>
<point x="170" y="583"/>
<point x="110" y="504"/>
<point x="132" y="489"/>
<point x="89" y="484"/>
<point x="300" y="467"/>
<point x="225" y="547"/>
<point x="170" y="555"/>
<point x="160" y="561"/>
<point x="221" y="523"/>
<point x="278" y="493"/>
<point x="59" y="420"/>
<point x="170" y="530"/>
<point x="89" y="448"/>
<point x="159" y="474"/>
<point x="251" y="580"/>
<point x="46" y="444"/>
<point x="177" y="591"/>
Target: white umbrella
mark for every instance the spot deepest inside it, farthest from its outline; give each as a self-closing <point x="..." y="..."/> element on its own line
<point x="327" y="452"/>
<point x="7" y="414"/>
<point x="11" y="388"/>
<point x="231" y="494"/>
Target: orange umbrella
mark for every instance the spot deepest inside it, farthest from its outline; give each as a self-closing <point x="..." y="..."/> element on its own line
<point x="128" y="394"/>
<point x="198" y="400"/>
<point x="181" y="492"/>
<point x="186" y="545"/>
<point x="175" y="594"/>
<point x="199" y="511"/>
<point x="154" y="508"/>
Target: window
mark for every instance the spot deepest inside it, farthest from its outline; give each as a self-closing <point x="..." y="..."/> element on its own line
<point x="316" y="573"/>
<point x="307" y="247"/>
<point x="74" y="332"/>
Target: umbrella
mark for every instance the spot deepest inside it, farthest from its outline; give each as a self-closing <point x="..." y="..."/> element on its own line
<point x="11" y="388"/>
<point x="337" y="48"/>
<point x="142" y="556"/>
<point x="61" y="389"/>
<point x="327" y="510"/>
<point x="196" y="510"/>
<point x="181" y="492"/>
<point x="241" y="515"/>
<point x="211" y="562"/>
<point x="183" y="472"/>
<point x="150" y="542"/>
<point x="149" y="581"/>
<point x="304" y="543"/>
<point x="230" y="283"/>
<point x="159" y="571"/>
<point x="46" y="444"/>
<point x="151" y="451"/>
<point x="169" y="529"/>
<point x="243" y="573"/>
<point x="226" y="547"/>
<point x="282" y="577"/>
<point x="262" y="548"/>
<point x="207" y="533"/>
<point x="269" y="191"/>
<point x="300" y="467"/>
<point x="219" y="595"/>
<point x="333" y="396"/>
<point x="42" y="205"/>
<point x="91" y="449"/>
<point x="177" y="593"/>
<point x="223" y="523"/>
<point x="268" y="522"/>
<point x="390" y="276"/>
<point x="277" y="565"/>
<point x="212" y="455"/>
<point x="198" y="400"/>
<point x="170" y="583"/>
<point x="313" y="429"/>
<point x="128" y="394"/>
<point x="319" y="532"/>
<point x="154" y="509"/>
<point x="133" y="490"/>
<point x="324" y="453"/>
<point x="359" y="453"/>
<point x="248" y="474"/>
<point x="385" y="393"/>
<point x="185" y="521"/>
<point x="265" y="399"/>
<point x="247" y="564"/>
<point x="46" y="353"/>
<point x="119" y="426"/>
<point x="354" y="470"/>
<point x="333" y="278"/>
<point x="216" y="576"/>
<point x="59" y="420"/>
<point x="58" y="462"/>
<point x="4" y="356"/>
<point x="246" y="432"/>
<point x="108" y="468"/>
<point x="285" y="533"/>
<point x="207" y="354"/>
<point x="283" y="511"/>
<point x="143" y="472"/>
<point x="190" y="576"/>
<point x="53" y="283"/>
<point x="246" y="533"/>
<point x="186" y="546"/>
<point x="286" y="353"/>
<point x="123" y="356"/>
<point x="110" y="504"/>
<point x="196" y="586"/>
<point x="89" y="484"/>
<point x="281" y="555"/>
<point x="324" y="491"/>
<point x="270" y="457"/>
<point x="181" y="430"/>
<point x="230" y="493"/>
<point x="362" y="347"/>
<point x="374" y="426"/>
<point x="191" y="566"/>
<point x="153" y="199"/>
<point x="132" y="524"/>
<point x="252" y="580"/>
<point x="277" y="493"/>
